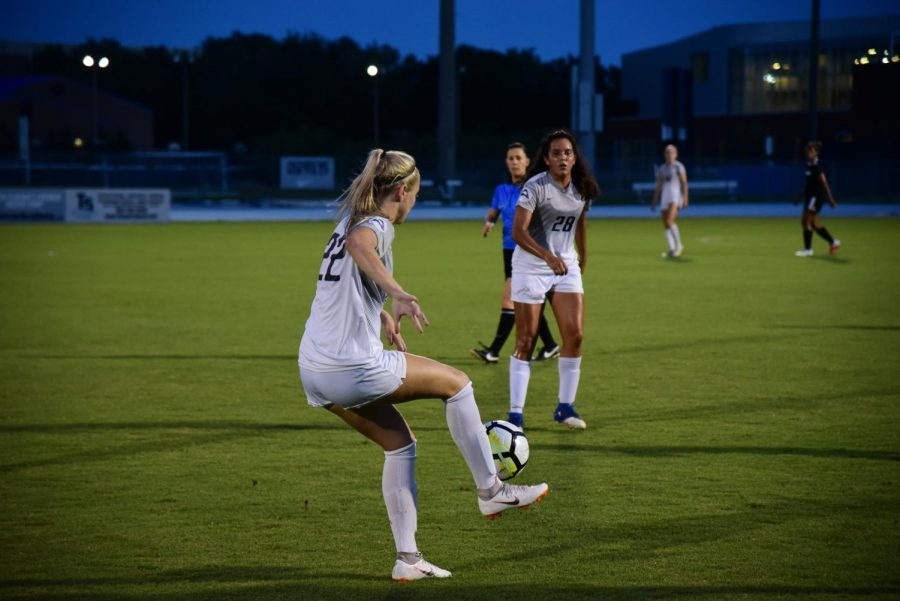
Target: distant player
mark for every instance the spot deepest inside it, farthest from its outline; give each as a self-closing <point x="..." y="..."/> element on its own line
<point x="672" y="188"/>
<point x="550" y="222"/>
<point x="503" y="206"/>
<point x="815" y="192"/>
<point x="345" y="368"/>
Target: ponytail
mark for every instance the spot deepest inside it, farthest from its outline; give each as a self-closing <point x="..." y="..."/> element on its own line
<point x="383" y="171"/>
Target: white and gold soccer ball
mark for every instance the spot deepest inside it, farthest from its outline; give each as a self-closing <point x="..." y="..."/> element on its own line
<point x="509" y="446"/>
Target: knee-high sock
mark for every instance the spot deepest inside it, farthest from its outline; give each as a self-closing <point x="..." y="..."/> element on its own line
<point x="398" y="485"/>
<point x="467" y="431"/>
<point x="670" y="240"/>
<point x="807" y="239"/>
<point x="519" y="375"/>
<point x="825" y="235"/>
<point x="676" y="234"/>
<point x="569" y="375"/>
<point x="504" y="327"/>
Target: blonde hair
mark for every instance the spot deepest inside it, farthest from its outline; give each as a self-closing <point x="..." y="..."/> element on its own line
<point x="383" y="171"/>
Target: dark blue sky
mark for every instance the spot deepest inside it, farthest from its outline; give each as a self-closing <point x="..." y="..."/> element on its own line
<point x="411" y="26"/>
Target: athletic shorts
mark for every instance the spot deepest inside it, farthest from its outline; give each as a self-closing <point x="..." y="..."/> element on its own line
<point x="507" y="262"/>
<point x="533" y="289"/>
<point x="814" y="204"/>
<point x="668" y="202"/>
<point x="351" y="388"/>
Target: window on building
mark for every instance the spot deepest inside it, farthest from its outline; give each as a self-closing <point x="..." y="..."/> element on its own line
<point x="700" y="66"/>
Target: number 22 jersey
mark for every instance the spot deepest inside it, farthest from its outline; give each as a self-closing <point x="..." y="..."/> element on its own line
<point x="344" y="326"/>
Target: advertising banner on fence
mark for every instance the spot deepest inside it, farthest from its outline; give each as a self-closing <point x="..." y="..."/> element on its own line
<point x="32" y="204"/>
<point x="116" y="205"/>
<point x="314" y="173"/>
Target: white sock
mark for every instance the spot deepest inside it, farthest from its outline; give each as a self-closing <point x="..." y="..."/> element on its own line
<point x="467" y="431"/>
<point x="569" y="374"/>
<point x="676" y="235"/>
<point x="398" y="485"/>
<point x="670" y="240"/>
<point x="519" y="375"/>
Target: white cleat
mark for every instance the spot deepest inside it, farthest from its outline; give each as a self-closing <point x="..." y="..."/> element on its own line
<point x="834" y="247"/>
<point x="512" y="496"/>
<point x="404" y="572"/>
<point x="806" y="252"/>
<point x="574" y="423"/>
<point x="678" y="251"/>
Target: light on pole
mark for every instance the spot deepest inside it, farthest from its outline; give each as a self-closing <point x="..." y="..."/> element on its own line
<point x="372" y="71"/>
<point x="89" y="62"/>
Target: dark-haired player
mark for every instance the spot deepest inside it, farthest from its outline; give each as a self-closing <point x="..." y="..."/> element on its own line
<point x="815" y="192"/>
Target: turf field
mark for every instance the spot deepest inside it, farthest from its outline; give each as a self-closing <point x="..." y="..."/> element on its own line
<point x="743" y="410"/>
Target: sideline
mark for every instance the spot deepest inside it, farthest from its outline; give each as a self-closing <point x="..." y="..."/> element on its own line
<point x="325" y="211"/>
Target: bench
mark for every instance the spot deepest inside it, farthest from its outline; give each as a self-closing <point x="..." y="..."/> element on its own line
<point x="729" y="186"/>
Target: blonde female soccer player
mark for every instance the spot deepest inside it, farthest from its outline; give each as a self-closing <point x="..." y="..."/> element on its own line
<point x="549" y="223"/>
<point x="345" y="368"/>
<point x="503" y="207"/>
<point x="672" y="186"/>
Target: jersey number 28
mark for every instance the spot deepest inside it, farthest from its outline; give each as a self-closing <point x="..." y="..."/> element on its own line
<point x="563" y="223"/>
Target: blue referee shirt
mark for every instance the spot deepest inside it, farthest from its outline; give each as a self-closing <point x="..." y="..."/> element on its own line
<point x="505" y="198"/>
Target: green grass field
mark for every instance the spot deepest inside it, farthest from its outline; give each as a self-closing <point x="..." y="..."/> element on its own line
<point x="743" y="410"/>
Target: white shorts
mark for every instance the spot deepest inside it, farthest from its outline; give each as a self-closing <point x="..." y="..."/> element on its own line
<point x="532" y="289"/>
<point x="668" y="201"/>
<point x="351" y="388"/>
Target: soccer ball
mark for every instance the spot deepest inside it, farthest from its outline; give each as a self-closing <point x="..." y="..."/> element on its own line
<point x="509" y="446"/>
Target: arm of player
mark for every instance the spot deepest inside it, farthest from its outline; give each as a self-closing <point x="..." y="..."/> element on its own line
<point x="827" y="189"/>
<point x="361" y="244"/>
<point x="684" y="188"/>
<point x="656" y="192"/>
<point x="489" y="221"/>
<point x="520" y="236"/>
<point x="581" y="240"/>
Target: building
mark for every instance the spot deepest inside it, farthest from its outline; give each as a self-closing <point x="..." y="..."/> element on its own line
<point x="743" y="90"/>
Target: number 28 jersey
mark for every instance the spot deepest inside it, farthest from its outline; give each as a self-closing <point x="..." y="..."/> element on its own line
<point x="554" y="213"/>
<point x="344" y="326"/>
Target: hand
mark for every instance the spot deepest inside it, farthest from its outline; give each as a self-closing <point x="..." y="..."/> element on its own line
<point x="833" y="204"/>
<point x="684" y="206"/>
<point x="488" y="226"/>
<point x="407" y="304"/>
<point x="558" y="266"/>
<point x="582" y="263"/>
<point x="392" y="332"/>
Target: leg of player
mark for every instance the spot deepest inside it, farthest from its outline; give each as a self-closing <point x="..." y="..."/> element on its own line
<point x="426" y="378"/>
<point x="549" y="348"/>
<point x="673" y="227"/>
<point x="384" y="425"/>
<point x="568" y="307"/>
<point x="527" y="318"/>
<point x="807" y="222"/>
<point x="822" y="231"/>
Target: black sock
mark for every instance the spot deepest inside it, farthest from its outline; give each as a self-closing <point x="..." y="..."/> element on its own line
<point x="807" y="239"/>
<point x="823" y="232"/>
<point x="545" y="334"/>
<point x="507" y="321"/>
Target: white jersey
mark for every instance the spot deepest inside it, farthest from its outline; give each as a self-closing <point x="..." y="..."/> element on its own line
<point x="344" y="326"/>
<point x="671" y="182"/>
<point x="554" y="214"/>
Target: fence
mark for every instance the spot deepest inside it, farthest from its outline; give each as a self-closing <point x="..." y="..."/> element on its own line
<point x="203" y="175"/>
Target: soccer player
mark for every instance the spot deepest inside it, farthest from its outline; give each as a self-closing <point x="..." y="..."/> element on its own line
<point x="503" y="206"/>
<point x="815" y="192"/>
<point x="550" y="221"/>
<point x="672" y="186"/>
<point x="345" y="368"/>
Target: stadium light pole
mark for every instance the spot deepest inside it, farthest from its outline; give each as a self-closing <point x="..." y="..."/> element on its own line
<point x="372" y="72"/>
<point x="184" y="57"/>
<point x="89" y="62"/>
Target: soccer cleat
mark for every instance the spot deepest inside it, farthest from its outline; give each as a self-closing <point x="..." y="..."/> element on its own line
<point x="404" y="572"/>
<point x="806" y="252"/>
<point x="565" y="414"/>
<point x="511" y="496"/>
<point x="547" y="353"/>
<point x="485" y="354"/>
<point x="516" y="419"/>
<point x="834" y="247"/>
<point x="678" y="251"/>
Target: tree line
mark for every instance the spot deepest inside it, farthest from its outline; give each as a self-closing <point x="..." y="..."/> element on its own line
<point x="309" y="95"/>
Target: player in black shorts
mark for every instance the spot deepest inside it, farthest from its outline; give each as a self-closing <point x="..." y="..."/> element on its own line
<point x="815" y="193"/>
